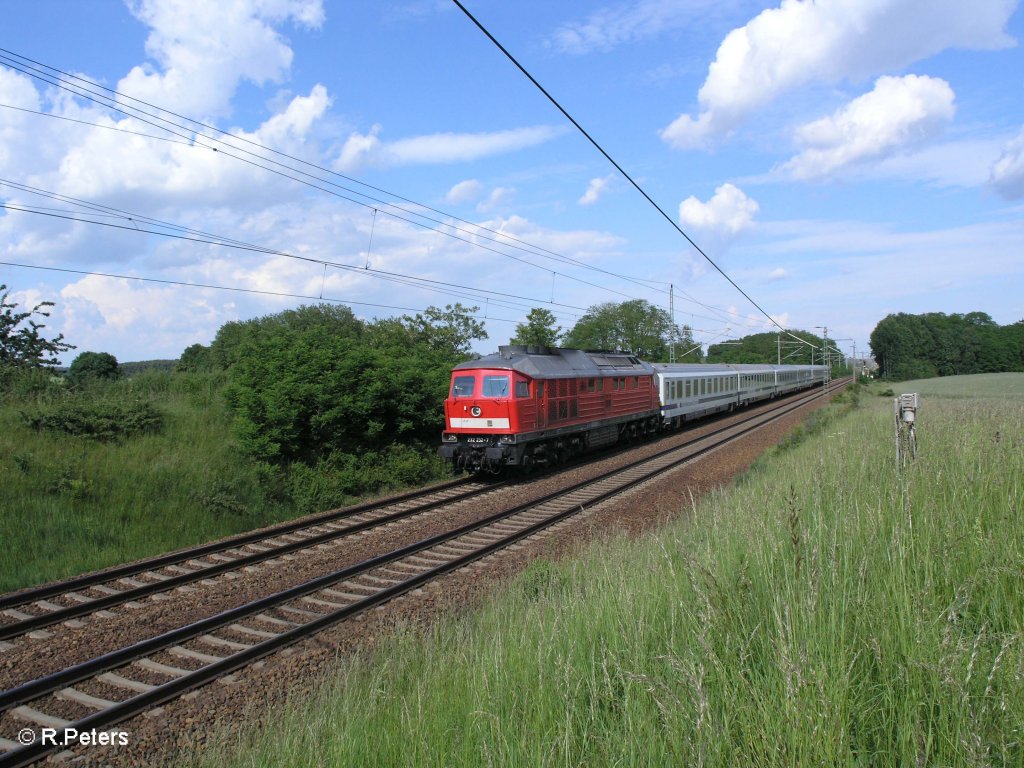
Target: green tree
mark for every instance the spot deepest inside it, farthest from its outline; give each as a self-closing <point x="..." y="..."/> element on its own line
<point x="90" y="366"/>
<point x="21" y="341"/>
<point x="936" y="344"/>
<point x="635" y="326"/>
<point x="540" y="329"/>
<point x="194" y="359"/>
<point x="227" y="345"/>
<point x="451" y="330"/>
<point x="315" y="387"/>
<point x="769" y="348"/>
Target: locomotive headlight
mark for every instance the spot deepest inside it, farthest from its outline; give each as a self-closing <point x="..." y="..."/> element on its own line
<point x="475" y="410"/>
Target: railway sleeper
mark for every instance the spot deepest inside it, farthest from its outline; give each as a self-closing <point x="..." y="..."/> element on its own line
<point x="85" y="699"/>
<point x="164" y="669"/>
<point x="118" y="681"/>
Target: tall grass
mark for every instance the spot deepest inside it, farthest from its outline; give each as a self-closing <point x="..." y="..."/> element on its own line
<point x="70" y="503"/>
<point x="140" y="466"/>
<point x="823" y="611"/>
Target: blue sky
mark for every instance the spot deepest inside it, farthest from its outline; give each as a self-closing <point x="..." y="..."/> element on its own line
<point x="841" y="160"/>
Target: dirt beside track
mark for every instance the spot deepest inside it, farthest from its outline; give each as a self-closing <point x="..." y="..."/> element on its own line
<point x="159" y="738"/>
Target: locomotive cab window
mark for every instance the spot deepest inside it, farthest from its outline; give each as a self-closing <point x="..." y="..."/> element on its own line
<point x="495" y="386"/>
<point x="522" y="389"/>
<point x="462" y="386"/>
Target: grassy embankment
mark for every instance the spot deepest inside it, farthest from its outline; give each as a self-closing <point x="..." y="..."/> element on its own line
<point x="823" y="611"/>
<point x="70" y="504"/>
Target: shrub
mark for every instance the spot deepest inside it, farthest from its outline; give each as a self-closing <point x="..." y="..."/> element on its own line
<point x="99" y="420"/>
<point x="93" y="365"/>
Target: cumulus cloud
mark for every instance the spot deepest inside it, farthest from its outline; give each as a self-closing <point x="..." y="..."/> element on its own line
<point x="829" y="41"/>
<point x="464" y="192"/>
<point x="897" y="112"/>
<point x="205" y="49"/>
<point x="16" y="141"/>
<point x="725" y="215"/>
<point x="595" y="189"/>
<point x="104" y="165"/>
<point x="362" y="150"/>
<point x="1007" y="174"/>
<point x="297" y="118"/>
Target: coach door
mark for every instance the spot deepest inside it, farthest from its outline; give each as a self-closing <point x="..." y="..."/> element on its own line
<point x="542" y="411"/>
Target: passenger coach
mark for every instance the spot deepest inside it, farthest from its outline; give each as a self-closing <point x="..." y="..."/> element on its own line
<point x="528" y="406"/>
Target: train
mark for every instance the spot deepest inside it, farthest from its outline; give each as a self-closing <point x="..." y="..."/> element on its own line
<point x="528" y="407"/>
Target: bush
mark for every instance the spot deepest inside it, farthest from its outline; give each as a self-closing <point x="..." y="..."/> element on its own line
<point x="21" y="384"/>
<point x="98" y="420"/>
<point x="93" y="365"/>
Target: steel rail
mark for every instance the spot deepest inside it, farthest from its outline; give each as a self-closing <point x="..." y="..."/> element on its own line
<point x="167" y="583"/>
<point x="25" y="596"/>
<point x="132" y="706"/>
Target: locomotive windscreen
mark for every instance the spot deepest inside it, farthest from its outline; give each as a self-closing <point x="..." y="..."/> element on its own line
<point x="495" y="386"/>
<point x="462" y="386"/>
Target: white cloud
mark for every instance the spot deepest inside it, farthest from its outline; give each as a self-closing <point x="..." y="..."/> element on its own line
<point x="609" y="27"/>
<point x="897" y="112"/>
<point x="205" y="49"/>
<point x="464" y="192"/>
<point x="829" y="41"/>
<point x="1007" y="174"/>
<point x="726" y="214"/>
<point x="499" y="196"/>
<point x="296" y="120"/>
<point x="18" y="91"/>
<point x="362" y="150"/>
<point x="107" y="166"/>
<point x="595" y="189"/>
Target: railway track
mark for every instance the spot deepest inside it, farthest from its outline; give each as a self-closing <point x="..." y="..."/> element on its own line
<point x="97" y="694"/>
<point x="34" y="609"/>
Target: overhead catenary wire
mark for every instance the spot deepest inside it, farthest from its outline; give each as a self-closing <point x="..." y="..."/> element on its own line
<point x="618" y="167"/>
<point x="61" y="80"/>
<point x="195" y="140"/>
<point x="216" y="239"/>
<point x="211" y="286"/>
<point x="228" y="243"/>
<point x="5" y="55"/>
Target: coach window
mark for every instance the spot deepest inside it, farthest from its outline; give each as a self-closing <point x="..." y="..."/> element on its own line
<point x="462" y="386"/>
<point x="522" y="389"/>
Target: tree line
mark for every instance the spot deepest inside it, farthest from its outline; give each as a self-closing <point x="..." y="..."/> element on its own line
<point x="635" y="326"/>
<point x="773" y="348"/>
<point x="331" y="403"/>
<point x="936" y="344"/>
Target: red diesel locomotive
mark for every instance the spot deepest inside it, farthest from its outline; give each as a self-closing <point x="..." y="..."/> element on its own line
<point x="527" y="406"/>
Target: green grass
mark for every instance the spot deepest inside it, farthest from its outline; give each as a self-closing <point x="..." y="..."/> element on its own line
<point x="979" y="385"/>
<point x="823" y="611"/>
<point x="70" y="503"/>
